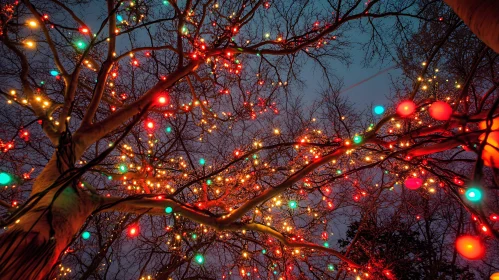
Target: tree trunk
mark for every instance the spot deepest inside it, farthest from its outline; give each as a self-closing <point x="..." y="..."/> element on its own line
<point x="27" y="249"/>
<point x="482" y="17"/>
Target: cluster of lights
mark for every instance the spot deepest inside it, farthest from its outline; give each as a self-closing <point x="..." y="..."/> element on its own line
<point x="469" y="247"/>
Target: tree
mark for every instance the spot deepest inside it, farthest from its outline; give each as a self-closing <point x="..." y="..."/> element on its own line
<point x="403" y="250"/>
<point x="481" y="17"/>
<point x="177" y="124"/>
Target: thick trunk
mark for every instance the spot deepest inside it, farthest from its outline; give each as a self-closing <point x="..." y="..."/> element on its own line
<point x="27" y="249"/>
<point x="482" y="17"/>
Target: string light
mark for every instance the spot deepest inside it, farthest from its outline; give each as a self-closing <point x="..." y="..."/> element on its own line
<point x="163" y="100"/>
<point x="133" y="231"/>
<point x="233" y="64"/>
<point x="29" y="44"/>
<point x="32" y="23"/>
<point x="199" y="259"/>
<point x="379" y="110"/>
<point x="5" y="178"/>
<point x="122" y="168"/>
<point x="413" y="183"/>
<point x="85" y="235"/>
<point x="357" y="139"/>
<point x="440" y="110"/>
<point x="81" y="45"/>
<point x="406" y="108"/>
<point x="473" y="194"/>
<point x="470" y="247"/>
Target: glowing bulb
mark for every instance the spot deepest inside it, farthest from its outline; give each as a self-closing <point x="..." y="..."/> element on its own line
<point x="473" y="194"/>
<point x="133" y="231"/>
<point x="30" y="44"/>
<point x="470" y="247"/>
<point x="168" y="210"/>
<point x="292" y="204"/>
<point x="162" y="100"/>
<point x="413" y="183"/>
<point x="123" y="168"/>
<point x="379" y="110"/>
<point x="80" y="45"/>
<point x="202" y="161"/>
<point x="440" y="111"/>
<point x="406" y="108"/>
<point x="5" y="178"/>
<point x="85" y="235"/>
<point x="32" y="23"/>
<point x="199" y="259"/>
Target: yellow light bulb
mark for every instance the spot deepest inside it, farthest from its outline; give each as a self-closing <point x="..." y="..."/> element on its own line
<point x="32" y="23"/>
<point x="30" y="44"/>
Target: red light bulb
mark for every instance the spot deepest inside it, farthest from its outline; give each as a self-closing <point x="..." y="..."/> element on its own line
<point x="413" y="183"/>
<point x="163" y="100"/>
<point x="440" y="111"/>
<point x="406" y="108"/>
<point x="133" y="231"/>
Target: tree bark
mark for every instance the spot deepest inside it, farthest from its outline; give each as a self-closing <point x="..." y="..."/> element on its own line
<point x="31" y="247"/>
<point x="27" y="249"/>
<point x="482" y="17"/>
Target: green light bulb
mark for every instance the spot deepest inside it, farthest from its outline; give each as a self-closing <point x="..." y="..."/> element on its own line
<point x="80" y="45"/>
<point x="123" y="168"/>
<point x="85" y="235"/>
<point x="378" y="110"/>
<point x="199" y="259"/>
<point x="473" y="194"/>
<point x="5" y="178"/>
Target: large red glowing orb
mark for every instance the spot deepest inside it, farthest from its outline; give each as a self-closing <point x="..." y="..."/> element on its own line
<point x="440" y="111"/>
<point x="470" y="247"/>
<point x="413" y="183"/>
<point x="406" y="108"/>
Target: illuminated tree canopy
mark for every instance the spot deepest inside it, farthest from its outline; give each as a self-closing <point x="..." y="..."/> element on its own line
<point x="180" y="139"/>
